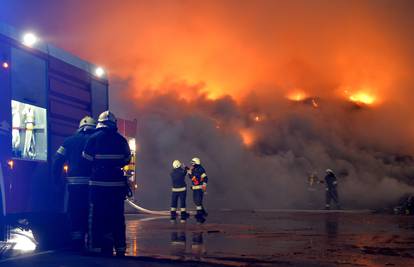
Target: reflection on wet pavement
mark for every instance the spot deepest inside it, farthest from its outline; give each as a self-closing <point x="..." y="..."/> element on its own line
<point x="263" y="238"/>
<point x="19" y="242"/>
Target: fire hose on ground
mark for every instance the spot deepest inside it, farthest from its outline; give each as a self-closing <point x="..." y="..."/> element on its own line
<point x="146" y="211"/>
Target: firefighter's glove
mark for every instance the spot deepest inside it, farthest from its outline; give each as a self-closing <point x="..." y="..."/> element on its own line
<point x="204" y="186"/>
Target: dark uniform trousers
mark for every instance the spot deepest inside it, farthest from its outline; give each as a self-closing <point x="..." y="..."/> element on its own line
<point x="106" y="219"/>
<point x="181" y="197"/>
<point x="198" y="195"/>
<point x="332" y="195"/>
<point x="77" y="208"/>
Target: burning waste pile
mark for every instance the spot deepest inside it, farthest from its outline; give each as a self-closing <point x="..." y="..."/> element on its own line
<point x="260" y="150"/>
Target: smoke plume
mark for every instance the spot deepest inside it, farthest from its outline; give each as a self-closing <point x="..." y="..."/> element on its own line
<point x="264" y="92"/>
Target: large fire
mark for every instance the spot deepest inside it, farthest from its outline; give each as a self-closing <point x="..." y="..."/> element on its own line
<point x="256" y="70"/>
<point x="361" y="96"/>
<point x="225" y="48"/>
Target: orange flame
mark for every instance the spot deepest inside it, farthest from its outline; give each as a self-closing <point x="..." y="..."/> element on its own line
<point x="364" y="95"/>
<point x="247" y="137"/>
<point x="362" y="98"/>
<point x="296" y="96"/>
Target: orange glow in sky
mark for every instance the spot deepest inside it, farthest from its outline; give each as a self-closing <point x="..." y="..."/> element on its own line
<point x="218" y="48"/>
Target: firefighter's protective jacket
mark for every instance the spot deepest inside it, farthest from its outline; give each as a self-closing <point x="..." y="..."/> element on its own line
<point x="79" y="169"/>
<point x="198" y="176"/>
<point x="330" y="180"/>
<point x="108" y="152"/>
<point x="178" y="179"/>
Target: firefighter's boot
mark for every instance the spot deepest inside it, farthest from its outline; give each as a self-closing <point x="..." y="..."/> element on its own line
<point x="200" y="217"/>
<point x="184" y="216"/>
<point x="205" y="214"/>
<point x="173" y="216"/>
<point x="120" y="252"/>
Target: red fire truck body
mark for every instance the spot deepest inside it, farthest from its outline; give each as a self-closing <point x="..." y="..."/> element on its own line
<point x="44" y="92"/>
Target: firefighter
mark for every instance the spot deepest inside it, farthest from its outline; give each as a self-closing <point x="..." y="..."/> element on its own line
<point x="78" y="172"/>
<point x="199" y="181"/>
<point x="179" y="191"/>
<point x="108" y="152"/>
<point x="331" y="189"/>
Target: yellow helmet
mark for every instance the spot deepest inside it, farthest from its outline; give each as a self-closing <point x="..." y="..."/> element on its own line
<point x="107" y="119"/>
<point x="176" y="164"/>
<point x="87" y="121"/>
<point x="196" y="161"/>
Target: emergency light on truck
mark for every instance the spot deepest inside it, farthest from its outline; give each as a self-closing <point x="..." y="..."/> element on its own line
<point x="99" y="72"/>
<point x="29" y="39"/>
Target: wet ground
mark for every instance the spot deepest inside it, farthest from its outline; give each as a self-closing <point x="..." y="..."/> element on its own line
<point x="291" y="238"/>
<point x="263" y="238"/>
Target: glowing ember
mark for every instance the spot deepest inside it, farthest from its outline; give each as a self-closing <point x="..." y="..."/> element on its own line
<point x="314" y="103"/>
<point x="256" y="117"/>
<point x="362" y="98"/>
<point x="247" y="137"/>
<point x="11" y="164"/>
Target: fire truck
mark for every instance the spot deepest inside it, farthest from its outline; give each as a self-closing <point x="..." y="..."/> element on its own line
<point x="44" y="92"/>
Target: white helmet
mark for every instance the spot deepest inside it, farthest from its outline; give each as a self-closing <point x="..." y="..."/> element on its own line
<point x="176" y="164"/>
<point x="329" y="171"/>
<point x="107" y="118"/>
<point x="196" y="161"/>
<point x="87" y="121"/>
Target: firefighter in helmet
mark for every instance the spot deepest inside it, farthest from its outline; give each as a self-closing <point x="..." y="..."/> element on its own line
<point x="78" y="172"/>
<point x="199" y="181"/>
<point x="108" y="152"/>
<point x="179" y="191"/>
<point x="331" y="189"/>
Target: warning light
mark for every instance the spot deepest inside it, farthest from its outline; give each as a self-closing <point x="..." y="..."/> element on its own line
<point x="11" y="164"/>
<point x="29" y="39"/>
<point x="99" y="72"/>
<point x="66" y="168"/>
<point x="5" y="65"/>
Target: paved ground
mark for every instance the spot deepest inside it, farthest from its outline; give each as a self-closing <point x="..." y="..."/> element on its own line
<point x="277" y="238"/>
<point x="290" y="237"/>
